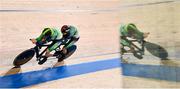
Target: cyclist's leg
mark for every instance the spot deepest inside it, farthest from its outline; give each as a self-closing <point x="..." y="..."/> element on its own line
<point x="53" y="47"/>
<point x="48" y="54"/>
<point x="127" y="43"/>
<point x="70" y="43"/>
<point x="45" y="57"/>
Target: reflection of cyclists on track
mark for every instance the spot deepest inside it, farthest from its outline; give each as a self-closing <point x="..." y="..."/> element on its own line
<point x="67" y="32"/>
<point x="130" y="31"/>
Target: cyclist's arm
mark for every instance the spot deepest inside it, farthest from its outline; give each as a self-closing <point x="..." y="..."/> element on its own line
<point x="39" y="38"/>
<point x="136" y="30"/>
<point x="68" y="43"/>
<point x="71" y="41"/>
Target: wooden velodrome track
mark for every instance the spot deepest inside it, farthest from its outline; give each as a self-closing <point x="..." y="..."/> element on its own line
<point x="96" y="62"/>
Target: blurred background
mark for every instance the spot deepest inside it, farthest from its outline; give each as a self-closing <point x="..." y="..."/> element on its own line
<point x="160" y="66"/>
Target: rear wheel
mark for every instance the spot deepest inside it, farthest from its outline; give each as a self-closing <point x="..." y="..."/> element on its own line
<point x="24" y="57"/>
<point x="70" y="51"/>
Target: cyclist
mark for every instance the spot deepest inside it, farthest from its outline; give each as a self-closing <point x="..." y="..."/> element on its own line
<point x="71" y="34"/>
<point x="47" y="35"/>
<point x="131" y="31"/>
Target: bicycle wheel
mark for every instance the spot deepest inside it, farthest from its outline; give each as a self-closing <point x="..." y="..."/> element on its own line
<point x="70" y="51"/>
<point x="24" y="57"/>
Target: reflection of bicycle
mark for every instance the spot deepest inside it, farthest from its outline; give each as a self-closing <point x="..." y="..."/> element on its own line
<point x="137" y="51"/>
<point x="27" y="55"/>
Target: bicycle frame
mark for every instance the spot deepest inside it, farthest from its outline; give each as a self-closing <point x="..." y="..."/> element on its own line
<point x="38" y="46"/>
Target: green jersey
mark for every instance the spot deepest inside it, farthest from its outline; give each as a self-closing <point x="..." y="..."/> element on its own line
<point x="124" y="29"/>
<point x="55" y="34"/>
<point x="73" y="33"/>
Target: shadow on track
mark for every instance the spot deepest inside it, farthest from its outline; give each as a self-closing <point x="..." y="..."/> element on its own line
<point x="167" y="70"/>
<point x="160" y="52"/>
<point x="13" y="70"/>
<point x="157" y="50"/>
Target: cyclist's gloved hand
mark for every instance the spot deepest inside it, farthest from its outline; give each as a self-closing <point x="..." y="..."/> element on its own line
<point x="33" y="41"/>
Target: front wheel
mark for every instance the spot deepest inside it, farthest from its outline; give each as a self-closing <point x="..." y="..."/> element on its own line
<point x="24" y="57"/>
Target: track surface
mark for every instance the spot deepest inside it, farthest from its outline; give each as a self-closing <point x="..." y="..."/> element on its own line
<point x="98" y="23"/>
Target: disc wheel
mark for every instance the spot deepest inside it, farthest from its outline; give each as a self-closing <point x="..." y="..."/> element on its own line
<point x="24" y="57"/>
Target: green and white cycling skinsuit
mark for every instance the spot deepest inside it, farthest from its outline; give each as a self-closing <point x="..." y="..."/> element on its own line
<point x="55" y="34"/>
<point x="124" y="30"/>
<point x="73" y="36"/>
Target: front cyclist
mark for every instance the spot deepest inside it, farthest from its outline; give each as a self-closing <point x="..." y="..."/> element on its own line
<point x="47" y="35"/>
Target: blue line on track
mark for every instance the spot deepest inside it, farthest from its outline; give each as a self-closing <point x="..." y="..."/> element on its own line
<point x="160" y="72"/>
<point x="41" y="76"/>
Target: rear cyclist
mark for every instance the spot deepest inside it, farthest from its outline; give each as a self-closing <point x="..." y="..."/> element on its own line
<point x="71" y="34"/>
